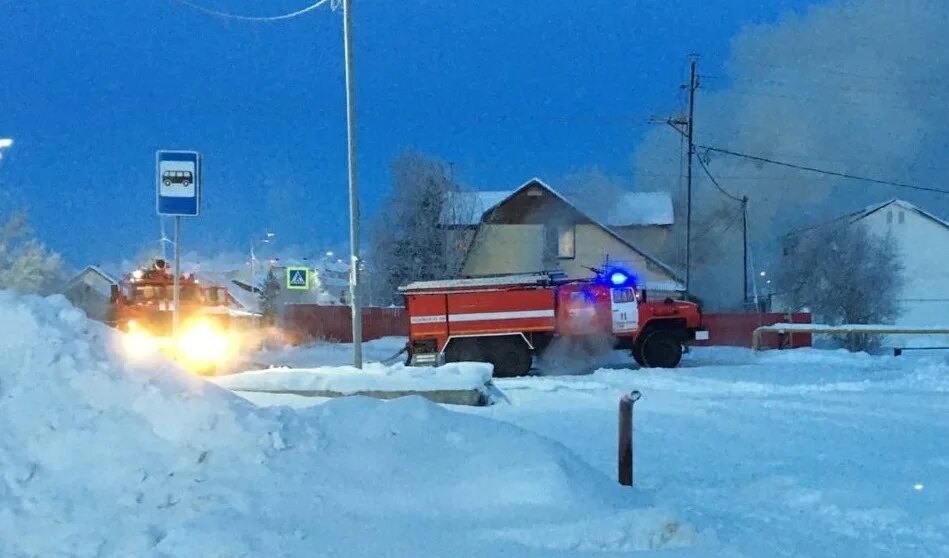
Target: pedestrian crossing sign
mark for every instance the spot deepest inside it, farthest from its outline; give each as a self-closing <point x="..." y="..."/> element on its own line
<point x="298" y="278"/>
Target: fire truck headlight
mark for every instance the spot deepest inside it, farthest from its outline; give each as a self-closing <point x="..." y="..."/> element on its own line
<point x="202" y="343"/>
<point x="618" y="278"/>
<point x="138" y="344"/>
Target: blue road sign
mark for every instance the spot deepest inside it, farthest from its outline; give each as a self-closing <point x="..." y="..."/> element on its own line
<point x="178" y="183"/>
<point x="298" y="278"/>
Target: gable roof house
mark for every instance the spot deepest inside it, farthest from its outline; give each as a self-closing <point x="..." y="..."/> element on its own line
<point x="90" y="290"/>
<point x="535" y="228"/>
<point x="922" y="240"/>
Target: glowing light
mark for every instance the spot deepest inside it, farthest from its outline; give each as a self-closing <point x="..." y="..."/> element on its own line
<point x="5" y="142"/>
<point x="618" y="278"/>
<point x="202" y="344"/>
<point x="918" y="486"/>
<point x="138" y="344"/>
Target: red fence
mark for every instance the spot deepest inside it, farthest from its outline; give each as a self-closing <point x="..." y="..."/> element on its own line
<point x="736" y="329"/>
<point x="333" y="323"/>
<point x="310" y="321"/>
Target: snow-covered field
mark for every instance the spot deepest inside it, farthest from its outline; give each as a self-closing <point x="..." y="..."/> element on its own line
<point x="102" y="459"/>
<point x="799" y="453"/>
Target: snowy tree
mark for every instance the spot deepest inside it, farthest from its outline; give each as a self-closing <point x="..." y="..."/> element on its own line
<point x="269" y="295"/>
<point x="845" y="275"/>
<point x="408" y="238"/>
<point x="26" y="265"/>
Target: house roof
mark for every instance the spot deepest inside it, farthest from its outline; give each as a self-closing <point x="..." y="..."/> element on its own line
<point x="538" y="182"/>
<point x="640" y="209"/>
<point x="466" y="208"/>
<point x="855" y="216"/>
<point x="85" y="271"/>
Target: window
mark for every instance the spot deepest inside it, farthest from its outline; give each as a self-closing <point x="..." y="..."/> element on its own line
<point x="889" y="217"/>
<point x="566" y="240"/>
<point x="902" y="217"/>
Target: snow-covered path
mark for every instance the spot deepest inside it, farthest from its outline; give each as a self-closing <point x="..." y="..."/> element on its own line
<point x="804" y="453"/>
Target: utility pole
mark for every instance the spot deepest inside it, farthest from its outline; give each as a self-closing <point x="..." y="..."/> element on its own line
<point x="353" y="197"/>
<point x="744" y="249"/>
<point x="690" y="131"/>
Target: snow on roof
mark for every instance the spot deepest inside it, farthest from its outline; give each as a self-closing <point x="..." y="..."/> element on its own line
<point x="244" y="298"/>
<point x="494" y="281"/>
<point x="466" y="208"/>
<point x="855" y="216"/>
<point x="641" y="209"/>
<point x="95" y="270"/>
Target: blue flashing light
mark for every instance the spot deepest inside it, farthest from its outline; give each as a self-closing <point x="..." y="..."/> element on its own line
<point x="618" y="278"/>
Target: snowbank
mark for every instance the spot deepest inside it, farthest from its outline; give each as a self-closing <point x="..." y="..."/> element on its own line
<point x="373" y="376"/>
<point x="101" y="458"/>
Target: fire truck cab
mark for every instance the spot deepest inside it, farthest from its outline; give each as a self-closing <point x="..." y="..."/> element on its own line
<point x="143" y="308"/>
<point x="505" y="320"/>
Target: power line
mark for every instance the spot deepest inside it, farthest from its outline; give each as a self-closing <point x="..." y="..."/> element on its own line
<point x="822" y="171"/>
<point x="717" y="185"/>
<point x="227" y="15"/>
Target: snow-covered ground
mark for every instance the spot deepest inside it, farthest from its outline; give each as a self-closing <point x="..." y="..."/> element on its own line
<point x="99" y="458"/>
<point x="792" y="453"/>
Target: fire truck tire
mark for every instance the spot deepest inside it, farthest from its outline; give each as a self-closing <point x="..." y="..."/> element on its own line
<point x="661" y="350"/>
<point x="637" y="352"/>
<point x="510" y="357"/>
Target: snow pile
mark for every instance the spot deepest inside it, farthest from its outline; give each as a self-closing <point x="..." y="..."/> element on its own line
<point x="373" y="376"/>
<point x="99" y="458"/>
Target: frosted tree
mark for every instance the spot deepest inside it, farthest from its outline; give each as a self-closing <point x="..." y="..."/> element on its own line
<point x="26" y="265"/>
<point x="269" y="295"/>
<point x="845" y="275"/>
<point x="409" y="239"/>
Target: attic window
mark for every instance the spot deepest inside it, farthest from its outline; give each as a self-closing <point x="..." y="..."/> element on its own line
<point x="534" y="192"/>
<point x="902" y="217"/>
<point x="889" y="217"/>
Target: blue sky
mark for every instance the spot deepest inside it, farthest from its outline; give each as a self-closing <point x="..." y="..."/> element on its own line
<point x="503" y="90"/>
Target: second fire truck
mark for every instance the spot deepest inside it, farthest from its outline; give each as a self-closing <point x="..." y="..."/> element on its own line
<point x="505" y="320"/>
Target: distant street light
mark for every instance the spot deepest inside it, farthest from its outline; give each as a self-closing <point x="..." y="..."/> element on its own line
<point x="5" y="143"/>
<point x="763" y="273"/>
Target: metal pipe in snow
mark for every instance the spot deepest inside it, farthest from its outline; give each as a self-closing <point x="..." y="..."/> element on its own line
<point x="625" y="441"/>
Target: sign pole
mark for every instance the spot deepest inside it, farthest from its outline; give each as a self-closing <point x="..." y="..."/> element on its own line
<point x="176" y="288"/>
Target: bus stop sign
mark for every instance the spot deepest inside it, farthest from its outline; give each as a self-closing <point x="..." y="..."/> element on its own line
<point x="178" y="183"/>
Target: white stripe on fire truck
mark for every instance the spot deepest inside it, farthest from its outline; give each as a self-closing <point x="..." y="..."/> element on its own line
<point x="482" y="316"/>
<point x="428" y="319"/>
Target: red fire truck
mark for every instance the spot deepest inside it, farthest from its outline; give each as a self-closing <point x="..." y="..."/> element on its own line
<point x="143" y="304"/>
<point x="505" y="320"/>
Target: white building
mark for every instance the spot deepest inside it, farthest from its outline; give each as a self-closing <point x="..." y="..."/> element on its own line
<point x="923" y="242"/>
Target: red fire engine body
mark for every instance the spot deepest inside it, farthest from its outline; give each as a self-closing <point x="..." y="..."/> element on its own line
<point x="505" y="320"/>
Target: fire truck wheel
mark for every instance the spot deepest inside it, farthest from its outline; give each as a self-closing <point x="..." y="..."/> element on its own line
<point x="661" y="350"/>
<point x="510" y="357"/>
<point x="637" y="352"/>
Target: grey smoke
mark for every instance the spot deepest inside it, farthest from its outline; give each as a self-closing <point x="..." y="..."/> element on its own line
<point x="856" y="87"/>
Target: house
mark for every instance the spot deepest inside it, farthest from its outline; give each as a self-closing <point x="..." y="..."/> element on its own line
<point x="535" y="228"/>
<point x="923" y="242"/>
<point x="90" y="290"/>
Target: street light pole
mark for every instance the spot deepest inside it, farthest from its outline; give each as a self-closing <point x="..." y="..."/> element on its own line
<point x="353" y="197"/>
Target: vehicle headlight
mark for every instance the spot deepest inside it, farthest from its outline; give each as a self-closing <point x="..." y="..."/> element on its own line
<point x="203" y="343"/>
<point x="139" y="344"/>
